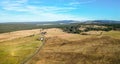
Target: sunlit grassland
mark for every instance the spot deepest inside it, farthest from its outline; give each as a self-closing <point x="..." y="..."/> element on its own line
<point x="15" y="51"/>
<point x="114" y="34"/>
<point x="96" y="49"/>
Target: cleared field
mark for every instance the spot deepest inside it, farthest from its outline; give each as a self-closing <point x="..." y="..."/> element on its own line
<point x="104" y="49"/>
<point x="18" y="34"/>
<point x="54" y="32"/>
<point x="60" y="47"/>
<point x="16" y="50"/>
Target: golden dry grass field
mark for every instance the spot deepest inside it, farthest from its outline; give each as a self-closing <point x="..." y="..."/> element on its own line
<point x="60" y="47"/>
<point x="64" y="48"/>
<point x="17" y="34"/>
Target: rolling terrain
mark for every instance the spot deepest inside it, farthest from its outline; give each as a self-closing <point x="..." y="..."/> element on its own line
<point x="16" y="26"/>
<point x="16" y="46"/>
<point x="59" y="49"/>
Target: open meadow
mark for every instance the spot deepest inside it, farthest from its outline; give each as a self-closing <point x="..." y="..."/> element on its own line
<point x="15" y="49"/>
<point x="60" y="47"/>
<point x="66" y="48"/>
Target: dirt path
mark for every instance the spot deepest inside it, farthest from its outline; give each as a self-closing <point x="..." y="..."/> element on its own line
<point x="26" y="61"/>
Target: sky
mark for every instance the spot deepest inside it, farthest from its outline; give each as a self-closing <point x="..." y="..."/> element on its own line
<point x="52" y="10"/>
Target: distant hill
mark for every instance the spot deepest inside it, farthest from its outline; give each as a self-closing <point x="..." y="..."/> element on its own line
<point x="68" y="22"/>
<point x="46" y="22"/>
<point x="102" y="22"/>
<point x="15" y="26"/>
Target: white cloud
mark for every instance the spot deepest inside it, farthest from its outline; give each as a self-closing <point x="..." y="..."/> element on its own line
<point x="17" y="5"/>
<point x="74" y="3"/>
<point x="42" y="17"/>
<point x="37" y="12"/>
<point x="21" y="5"/>
<point x="13" y="3"/>
<point x="81" y="2"/>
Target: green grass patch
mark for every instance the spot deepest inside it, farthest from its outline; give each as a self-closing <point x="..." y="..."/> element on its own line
<point x="15" y="51"/>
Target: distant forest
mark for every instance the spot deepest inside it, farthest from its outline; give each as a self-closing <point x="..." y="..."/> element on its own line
<point x="75" y="28"/>
<point x="70" y="28"/>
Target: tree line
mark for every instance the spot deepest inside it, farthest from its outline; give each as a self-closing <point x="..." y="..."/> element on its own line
<point x="70" y="28"/>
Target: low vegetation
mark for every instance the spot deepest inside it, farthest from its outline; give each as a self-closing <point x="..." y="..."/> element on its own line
<point x="70" y="28"/>
<point x="92" y="50"/>
<point x="17" y="50"/>
<point x="71" y="45"/>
